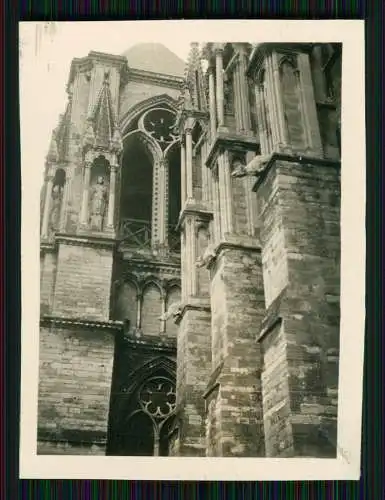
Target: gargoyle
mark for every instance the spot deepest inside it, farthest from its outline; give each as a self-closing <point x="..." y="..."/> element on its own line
<point x="174" y="311"/>
<point x="207" y="257"/>
<point x="253" y="168"/>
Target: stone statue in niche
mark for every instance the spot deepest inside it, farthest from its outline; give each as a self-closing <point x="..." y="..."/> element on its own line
<point x="57" y="195"/>
<point x="98" y="204"/>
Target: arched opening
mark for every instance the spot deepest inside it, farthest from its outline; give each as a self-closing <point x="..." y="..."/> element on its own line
<point x="136" y="193"/>
<point x="151" y="310"/>
<point x="142" y="409"/>
<point x="137" y="439"/>
<point x="174" y="198"/>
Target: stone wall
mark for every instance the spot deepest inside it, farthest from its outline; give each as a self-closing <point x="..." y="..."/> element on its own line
<point x="48" y="264"/>
<point x="308" y="339"/>
<point x="83" y="281"/>
<point x="193" y="368"/>
<point x="237" y="309"/>
<point x="74" y="387"/>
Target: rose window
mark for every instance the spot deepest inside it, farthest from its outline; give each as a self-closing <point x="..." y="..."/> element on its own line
<point x="160" y="123"/>
<point x="157" y="397"/>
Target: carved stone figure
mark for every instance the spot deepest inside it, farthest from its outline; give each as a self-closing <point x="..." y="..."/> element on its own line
<point x="207" y="257"/>
<point x="98" y="204"/>
<point x="57" y="194"/>
<point x="254" y="167"/>
<point x="173" y="311"/>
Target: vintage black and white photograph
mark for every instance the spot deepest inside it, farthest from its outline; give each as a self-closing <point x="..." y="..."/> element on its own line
<point x="188" y="293"/>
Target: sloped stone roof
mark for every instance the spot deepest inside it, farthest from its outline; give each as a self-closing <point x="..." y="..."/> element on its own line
<point x="154" y="57"/>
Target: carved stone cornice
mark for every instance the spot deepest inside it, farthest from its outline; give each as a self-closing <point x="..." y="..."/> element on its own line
<point x="234" y="242"/>
<point x="152" y="342"/>
<point x="151" y="267"/>
<point x="84" y="324"/>
<point x="194" y="209"/>
<point x="231" y="142"/>
<point x="302" y="160"/>
<point x="85" y="64"/>
<point x="110" y="59"/>
<point x="141" y="76"/>
<point x="102" y="240"/>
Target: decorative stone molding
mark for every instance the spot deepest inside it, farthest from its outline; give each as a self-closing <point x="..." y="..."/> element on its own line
<point x="141" y="107"/>
<point x="142" y="76"/>
<point x="229" y="242"/>
<point x="60" y="322"/>
<point x="231" y="142"/>
<point x="89" y="240"/>
<point x="72" y="436"/>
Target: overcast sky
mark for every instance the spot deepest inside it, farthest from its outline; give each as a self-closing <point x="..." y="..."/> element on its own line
<point x="46" y="52"/>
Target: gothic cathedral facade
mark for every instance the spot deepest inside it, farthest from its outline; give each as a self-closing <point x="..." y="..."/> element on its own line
<point x="190" y="254"/>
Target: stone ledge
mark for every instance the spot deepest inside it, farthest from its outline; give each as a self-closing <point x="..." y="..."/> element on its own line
<point x="230" y="141"/>
<point x="57" y="321"/>
<point x="233" y="242"/>
<point x="213" y="383"/>
<point x="293" y="158"/>
<point x="91" y="240"/>
<point x="46" y="247"/>
<point x="273" y="316"/>
<point x="152" y="342"/>
<point x="73" y="436"/>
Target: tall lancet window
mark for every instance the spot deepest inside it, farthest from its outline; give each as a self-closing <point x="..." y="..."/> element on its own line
<point x="136" y="194"/>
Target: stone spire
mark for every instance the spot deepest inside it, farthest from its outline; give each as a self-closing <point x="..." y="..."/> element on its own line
<point x="195" y="79"/>
<point x="102" y="131"/>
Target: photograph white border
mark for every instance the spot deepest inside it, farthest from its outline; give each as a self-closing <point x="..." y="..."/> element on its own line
<point x="353" y="187"/>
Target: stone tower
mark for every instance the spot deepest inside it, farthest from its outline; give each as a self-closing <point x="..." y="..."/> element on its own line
<point x="190" y="254"/>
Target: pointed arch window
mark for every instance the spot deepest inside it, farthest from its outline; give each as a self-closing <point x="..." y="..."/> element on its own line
<point x="143" y="414"/>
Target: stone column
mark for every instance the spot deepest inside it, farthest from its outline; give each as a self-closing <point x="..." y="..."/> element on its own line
<point x="193" y="349"/>
<point x="164" y="310"/>
<point x="310" y="117"/>
<point x="189" y="167"/>
<point x="212" y="105"/>
<point x="233" y="395"/>
<point x="157" y="201"/>
<point x="47" y="203"/>
<point x="299" y="337"/>
<point x="66" y="198"/>
<point x="262" y="128"/>
<point x="216" y="205"/>
<point x="86" y="188"/>
<point x="162" y="205"/>
<point x="278" y="98"/>
<point x="139" y="299"/>
<point x="226" y="201"/>
<point x="241" y="89"/>
<point x="219" y="74"/>
<point x="111" y="199"/>
<point x="183" y="172"/>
